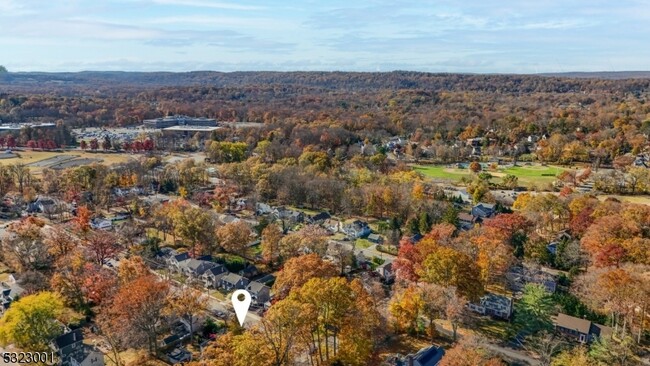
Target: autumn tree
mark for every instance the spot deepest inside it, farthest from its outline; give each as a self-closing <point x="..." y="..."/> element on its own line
<point x="192" y="224"/>
<point x="32" y="322"/>
<point x="139" y="307"/>
<point x="474" y="167"/>
<point x="405" y="307"/>
<point x="340" y="321"/>
<point x="188" y="304"/>
<point x="59" y="242"/>
<point x="102" y="246"/>
<point x="299" y="270"/>
<point x="24" y="247"/>
<point x="271" y="236"/>
<point x="235" y="237"/>
<point x="449" y="267"/>
<point x="469" y="352"/>
<point x="282" y="330"/>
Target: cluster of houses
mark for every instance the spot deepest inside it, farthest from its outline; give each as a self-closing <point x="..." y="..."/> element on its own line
<point x="354" y="229"/>
<point x="215" y="275"/>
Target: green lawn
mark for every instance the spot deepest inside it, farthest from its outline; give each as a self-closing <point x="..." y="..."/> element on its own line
<point x="363" y="243"/>
<point x="442" y="172"/>
<point x="533" y="174"/>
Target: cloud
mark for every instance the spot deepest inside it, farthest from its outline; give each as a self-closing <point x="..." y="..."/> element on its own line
<point x="208" y="4"/>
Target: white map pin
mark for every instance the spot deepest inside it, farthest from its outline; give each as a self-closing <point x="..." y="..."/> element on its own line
<point x="241" y="306"/>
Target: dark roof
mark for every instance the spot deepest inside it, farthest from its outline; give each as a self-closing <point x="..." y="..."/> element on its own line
<point x="416" y="238"/>
<point x="69" y="338"/>
<point x="217" y="270"/>
<point x="256" y="287"/>
<point x="430" y="356"/>
<point x="181" y="257"/>
<point x="573" y="323"/>
<point x="321" y="216"/>
<point x="463" y="216"/>
<point x="171" y="339"/>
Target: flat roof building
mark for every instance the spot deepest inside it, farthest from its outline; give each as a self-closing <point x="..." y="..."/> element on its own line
<point x="179" y="120"/>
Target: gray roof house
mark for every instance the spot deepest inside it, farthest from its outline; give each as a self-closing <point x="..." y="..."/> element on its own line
<point x="196" y="268"/>
<point x="356" y="229"/>
<point x="493" y="305"/>
<point x="176" y="260"/>
<point x="73" y="352"/>
<point x="581" y="330"/>
<point x="260" y="293"/>
<point x="429" y="356"/>
<point x="233" y="281"/>
<point x="212" y="277"/>
<point x="282" y="213"/>
<point x="483" y="210"/>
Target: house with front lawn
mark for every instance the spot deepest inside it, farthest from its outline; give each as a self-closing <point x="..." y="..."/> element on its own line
<point x="233" y="281"/>
<point x="212" y="277"/>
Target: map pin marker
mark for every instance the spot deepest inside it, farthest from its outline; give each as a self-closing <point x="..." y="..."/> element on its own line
<point x="241" y="306"/>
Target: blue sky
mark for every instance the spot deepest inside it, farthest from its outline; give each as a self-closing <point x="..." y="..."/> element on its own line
<point x="482" y="36"/>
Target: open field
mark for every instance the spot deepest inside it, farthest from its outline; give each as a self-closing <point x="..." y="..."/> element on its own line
<point x="37" y="160"/>
<point x="533" y="174"/>
<point x="643" y="200"/>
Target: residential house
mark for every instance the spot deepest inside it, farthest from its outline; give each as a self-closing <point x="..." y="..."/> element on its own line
<point x="262" y="209"/>
<point x="386" y="271"/>
<point x="428" y="356"/>
<point x="356" y="229"/>
<point x="249" y="271"/>
<point x="195" y="268"/>
<point x="9" y="292"/>
<point x="176" y="260"/>
<point x="581" y="330"/>
<point x="101" y="224"/>
<point x="332" y="225"/>
<point x="466" y="221"/>
<point x="284" y="214"/>
<point x="260" y="293"/>
<point x="642" y="161"/>
<point x="212" y="277"/>
<point x="233" y="281"/>
<point x="320" y="218"/>
<point x="375" y="238"/>
<point x="493" y="305"/>
<point x="73" y="352"/>
<point x="43" y="205"/>
<point x="483" y="211"/>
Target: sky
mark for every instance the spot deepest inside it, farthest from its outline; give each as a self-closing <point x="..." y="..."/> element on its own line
<point x="475" y="36"/>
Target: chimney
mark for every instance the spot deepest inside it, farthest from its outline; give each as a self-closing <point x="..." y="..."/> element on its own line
<point x="410" y="360"/>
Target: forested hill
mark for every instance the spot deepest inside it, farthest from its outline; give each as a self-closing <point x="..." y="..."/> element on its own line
<point x="340" y="81"/>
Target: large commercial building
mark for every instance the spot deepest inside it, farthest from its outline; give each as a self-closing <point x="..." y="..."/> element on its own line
<point x="178" y="120"/>
<point x="16" y="127"/>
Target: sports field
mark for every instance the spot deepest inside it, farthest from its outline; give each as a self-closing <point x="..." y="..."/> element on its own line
<point x="527" y="174"/>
